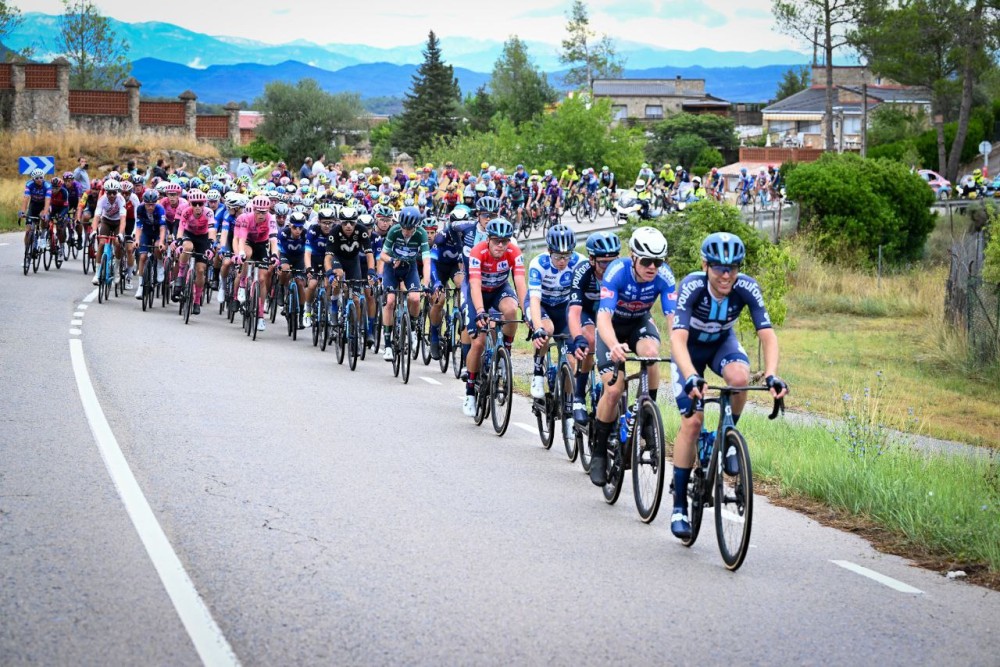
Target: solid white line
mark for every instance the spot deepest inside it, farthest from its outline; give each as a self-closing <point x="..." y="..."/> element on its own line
<point x="208" y="639"/>
<point x="430" y="380"/>
<point x="90" y="297"/>
<point x="75" y="332"/>
<point x="732" y="516"/>
<point x="876" y="576"/>
<point x="530" y="429"/>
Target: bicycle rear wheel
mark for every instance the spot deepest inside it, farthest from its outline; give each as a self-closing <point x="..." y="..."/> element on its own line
<point x="295" y="306"/>
<point x="36" y="254"/>
<point x="457" y="357"/>
<point x="585" y="434"/>
<point x="253" y="308"/>
<point x="648" y="461"/>
<point x="616" y="461"/>
<point x="733" y="501"/>
<point x="47" y="253"/>
<point x="405" y="353"/>
<point x="340" y="334"/>
<point x="274" y="297"/>
<point x="353" y="331"/>
<point x="564" y="383"/>
<point x="501" y="390"/>
<point x="324" y="333"/>
<point x="187" y="301"/>
<point x="27" y="258"/>
<point x="101" y="281"/>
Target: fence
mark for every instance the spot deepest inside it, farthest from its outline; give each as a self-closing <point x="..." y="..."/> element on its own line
<point x="970" y="303"/>
<point x="37" y="97"/>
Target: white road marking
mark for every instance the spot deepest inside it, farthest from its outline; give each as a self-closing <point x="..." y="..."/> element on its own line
<point x="90" y="297"/>
<point x="732" y="516"/>
<point x="3" y="244"/>
<point x="208" y="639"/>
<point x="76" y="323"/>
<point x="79" y="313"/>
<point x="876" y="576"/>
<point x="75" y="332"/>
<point x="82" y="306"/>
<point x="530" y="429"/>
<point x="429" y="380"/>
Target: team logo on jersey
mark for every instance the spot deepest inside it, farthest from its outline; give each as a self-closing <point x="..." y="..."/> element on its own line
<point x="607" y="293"/>
<point x="565" y="279"/>
<point x="503" y="265"/>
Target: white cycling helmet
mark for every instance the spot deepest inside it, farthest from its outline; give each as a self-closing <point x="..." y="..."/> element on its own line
<point x="648" y="242"/>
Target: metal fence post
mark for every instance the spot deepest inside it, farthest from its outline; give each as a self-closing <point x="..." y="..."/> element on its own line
<point x="878" y="281"/>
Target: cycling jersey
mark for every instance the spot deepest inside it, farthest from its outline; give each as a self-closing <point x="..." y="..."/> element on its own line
<point x="607" y="180"/>
<point x="172" y="211"/>
<point x="585" y="289"/>
<point x="550" y="284"/>
<point x="150" y="222"/>
<point x="493" y="272"/>
<point x="110" y="209"/>
<point x="291" y="248"/>
<point x="249" y="229"/>
<point x="317" y="244"/>
<point x="60" y="200"/>
<point x="568" y="176"/>
<point x="37" y="193"/>
<point x="628" y="300"/>
<point x="194" y="223"/>
<point x="406" y="250"/>
<point x="447" y="251"/>
<point x="345" y="247"/>
<point x="709" y="319"/>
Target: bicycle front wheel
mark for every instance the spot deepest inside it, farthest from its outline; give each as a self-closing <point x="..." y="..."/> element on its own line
<point x="501" y="390"/>
<point x="405" y="353"/>
<point x="648" y="461"/>
<point x="457" y="355"/>
<point x="353" y="335"/>
<point x="564" y="384"/>
<point x="733" y="500"/>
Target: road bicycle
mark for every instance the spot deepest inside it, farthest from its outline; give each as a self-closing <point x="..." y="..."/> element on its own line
<point x="557" y="406"/>
<point x="722" y="478"/>
<point x="586" y="210"/>
<point x="186" y="302"/>
<point x="150" y="285"/>
<point x="230" y="305"/>
<point x="402" y="334"/>
<point x="56" y="250"/>
<point x="584" y="433"/>
<point x="423" y="348"/>
<point x="33" y="249"/>
<point x="88" y="249"/>
<point x="106" y="269"/>
<point x="637" y="442"/>
<point x="292" y="307"/>
<point x="250" y="308"/>
<point x="450" y="340"/>
<point x="321" y="315"/>
<point x="348" y="329"/>
<point x="604" y="201"/>
<point x="495" y="380"/>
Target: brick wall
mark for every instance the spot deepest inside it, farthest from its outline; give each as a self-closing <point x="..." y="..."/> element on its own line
<point x="212" y="127"/>
<point x="779" y="155"/>
<point x="41" y="77"/>
<point x="5" y="82"/>
<point x="162" y="113"/>
<point x="98" y="103"/>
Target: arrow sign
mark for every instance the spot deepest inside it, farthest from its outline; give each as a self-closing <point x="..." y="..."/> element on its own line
<point x="47" y="163"/>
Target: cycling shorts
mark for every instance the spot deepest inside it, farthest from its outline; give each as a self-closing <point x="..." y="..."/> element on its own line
<point x="555" y="314"/>
<point x="201" y="244"/>
<point x="295" y="262"/>
<point x="630" y="333"/>
<point x="406" y="274"/>
<point x="350" y="266"/>
<point x="491" y="302"/>
<point x="446" y="272"/>
<point x="148" y="237"/>
<point x="717" y="356"/>
<point x="259" y="250"/>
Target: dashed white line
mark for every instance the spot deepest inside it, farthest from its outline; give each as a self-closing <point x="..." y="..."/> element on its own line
<point x="75" y="332"/>
<point x="895" y="584"/>
<point x="430" y="380"/>
<point x="76" y="323"/>
<point x="3" y="244"/>
<point x="82" y="306"/>
<point x="212" y="647"/>
<point x="530" y="429"/>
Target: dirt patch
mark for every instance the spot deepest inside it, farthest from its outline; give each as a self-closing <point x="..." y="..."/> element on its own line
<point x="879" y="537"/>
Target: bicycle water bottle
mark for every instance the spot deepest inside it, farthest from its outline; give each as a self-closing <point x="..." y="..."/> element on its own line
<point x="627" y="423"/>
<point x="705" y="444"/>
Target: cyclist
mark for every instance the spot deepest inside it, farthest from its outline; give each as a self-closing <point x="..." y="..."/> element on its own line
<point x="550" y="277"/>
<point x="703" y="335"/>
<point x="716" y="185"/>
<point x="585" y="294"/>
<point x="132" y="204"/>
<point x="291" y="255"/>
<point x="225" y="233"/>
<point x="59" y="208"/>
<point x="491" y="264"/>
<point x="110" y="215"/>
<point x="85" y="210"/>
<point x="554" y="196"/>
<point x="199" y="235"/>
<point x="36" y="203"/>
<point x="151" y="225"/>
<point x="645" y="173"/>
<point x="568" y="177"/>
<point x="317" y="246"/>
<point x="256" y="239"/>
<point x="745" y="187"/>
<point x="762" y="183"/>
<point x="349" y="252"/>
<point x="405" y="241"/>
<point x="666" y="176"/>
<point x="607" y="179"/>
<point x="624" y="324"/>
<point x="447" y="263"/>
<point x="590" y="184"/>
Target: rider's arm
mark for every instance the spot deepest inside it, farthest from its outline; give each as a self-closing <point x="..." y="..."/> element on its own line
<point x="769" y="344"/>
<point x="573" y="319"/>
<point x="425" y="255"/>
<point x="679" y="353"/>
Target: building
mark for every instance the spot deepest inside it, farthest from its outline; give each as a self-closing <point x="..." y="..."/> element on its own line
<point x="650" y="100"/>
<point x="798" y="120"/>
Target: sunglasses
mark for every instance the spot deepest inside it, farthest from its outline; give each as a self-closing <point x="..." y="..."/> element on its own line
<point x="559" y="256"/>
<point x="197" y="205"/>
<point x="650" y="261"/>
<point x="499" y="241"/>
<point x="724" y="268"/>
<point x="605" y="262"/>
<point x="491" y="216"/>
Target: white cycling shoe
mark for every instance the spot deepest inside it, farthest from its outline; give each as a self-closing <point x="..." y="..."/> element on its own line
<point x="387" y="353"/>
<point x="469" y="406"/>
<point x="538" y="386"/>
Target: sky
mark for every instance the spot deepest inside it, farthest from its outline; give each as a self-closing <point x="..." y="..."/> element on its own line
<point x="722" y="25"/>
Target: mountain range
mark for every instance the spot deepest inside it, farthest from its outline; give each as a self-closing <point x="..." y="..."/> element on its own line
<point x="168" y="59"/>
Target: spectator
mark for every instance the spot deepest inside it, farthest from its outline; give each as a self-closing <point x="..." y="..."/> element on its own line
<point x="130" y="167"/>
<point x="159" y="171"/>
<point x="305" y="171"/>
<point x="245" y="167"/>
<point x="80" y="175"/>
<point x="318" y="166"/>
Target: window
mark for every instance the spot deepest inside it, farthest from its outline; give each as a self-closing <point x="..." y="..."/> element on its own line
<point x="654" y="111"/>
<point x="852" y="125"/>
<point x="780" y="126"/>
<point x="809" y="127"/>
<point x="619" y="112"/>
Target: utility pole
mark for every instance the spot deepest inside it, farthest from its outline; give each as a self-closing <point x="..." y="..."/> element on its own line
<point x="864" y="118"/>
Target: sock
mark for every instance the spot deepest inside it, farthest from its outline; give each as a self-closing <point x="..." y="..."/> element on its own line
<point x="371" y="326"/>
<point x="538" y="365"/>
<point x="602" y="430"/>
<point x="470" y="385"/>
<point x="435" y="334"/>
<point x="333" y="307"/>
<point x="681" y="477"/>
<point x="581" y="386"/>
<point x="197" y="294"/>
<point x="387" y="333"/>
<point x="508" y="341"/>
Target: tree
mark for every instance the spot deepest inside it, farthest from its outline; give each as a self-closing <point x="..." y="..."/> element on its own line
<point x="825" y="24"/>
<point x="304" y="120"/>
<point x="588" y="57"/>
<point x="479" y="110"/>
<point x="10" y="20"/>
<point x="520" y="91"/>
<point x="430" y="109"/>
<point x="794" y="80"/>
<point x="714" y="131"/>
<point x="98" y="57"/>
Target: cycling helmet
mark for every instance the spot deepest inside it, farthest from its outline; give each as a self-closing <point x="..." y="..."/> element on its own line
<point x="261" y="203"/>
<point x="219" y="187"/>
<point x="112" y="186"/>
<point x="603" y="244"/>
<point x="281" y="210"/>
<point x="460" y="214"/>
<point x="275" y="174"/>
<point x="480" y="187"/>
<point x="326" y="215"/>
<point x="605" y="168"/>
<point x="204" y="171"/>
<point x="500" y="228"/>
<point x="112" y="176"/>
<point x="295" y="200"/>
<point x="723" y="248"/>
<point x="640" y="185"/>
<point x="645" y="165"/>
<point x="410" y="217"/>
<point x="367" y="171"/>
<point x="97" y="184"/>
<point x="366" y="219"/>
<point x="743" y="170"/>
<point x="308" y="202"/>
<point x="196" y="196"/>
<point x="348" y="214"/>
<point x="560" y="238"/>
<point x="67" y="175"/>
<point x="648" y="242"/>
<point x="290" y="189"/>
<point x="173" y="189"/>
<point x="125" y="185"/>
<point x="696" y="179"/>
<point x="297" y="219"/>
<point x="150" y="196"/>
<point x="384" y="211"/>
<point x="195" y="183"/>
<point x="488" y="205"/>
<point x="484" y="165"/>
<point x="232" y="199"/>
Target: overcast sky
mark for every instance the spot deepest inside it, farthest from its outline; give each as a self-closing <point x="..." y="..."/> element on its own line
<point x="722" y="25"/>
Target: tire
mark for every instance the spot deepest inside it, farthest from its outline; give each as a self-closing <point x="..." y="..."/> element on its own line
<point x="425" y="337"/>
<point x="27" y="259"/>
<point x="445" y="344"/>
<point x="86" y="254"/>
<point x="405" y="353"/>
<point x="253" y="303"/>
<point x="456" y="345"/>
<point x="274" y="296"/>
<point x="36" y="255"/>
<point x="584" y="436"/>
<point x="544" y="415"/>
<point x="61" y="251"/>
<point x="187" y="302"/>
<point x="340" y="334"/>
<point x="648" y="462"/>
<point x="293" y="301"/>
<point x="165" y="287"/>
<point x="353" y="331"/>
<point x="733" y="499"/>
<point x="47" y="254"/>
<point x="564" y="382"/>
<point x="501" y="390"/>
<point x="317" y="325"/>
<point x="482" y="395"/>
<point x="616" y="465"/>
<point x="362" y="326"/>
<point x="100" y="280"/>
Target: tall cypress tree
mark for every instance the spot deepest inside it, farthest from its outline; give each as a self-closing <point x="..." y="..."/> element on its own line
<point x="430" y="109"/>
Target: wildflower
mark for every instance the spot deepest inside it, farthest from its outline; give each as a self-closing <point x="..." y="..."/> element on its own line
<point x="846" y="397"/>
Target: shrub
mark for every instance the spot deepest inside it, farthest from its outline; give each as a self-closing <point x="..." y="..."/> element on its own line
<point x="262" y="152"/>
<point x="850" y="206"/>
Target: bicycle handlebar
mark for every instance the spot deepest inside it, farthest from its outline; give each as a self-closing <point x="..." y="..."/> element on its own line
<point x="779" y="403"/>
<point x="644" y="360"/>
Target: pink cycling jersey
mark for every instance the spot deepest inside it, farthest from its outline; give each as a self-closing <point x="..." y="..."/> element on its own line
<point x="193" y="222"/>
<point x="173" y="212"/>
<point x="248" y="229"/>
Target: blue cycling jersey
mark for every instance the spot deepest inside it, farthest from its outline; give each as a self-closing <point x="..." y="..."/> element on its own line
<point x="37" y="193"/>
<point x="317" y="243"/>
<point x="628" y="300"/>
<point x="151" y="222"/>
<point x="548" y="283"/>
<point x="289" y="246"/>
<point x="709" y="319"/>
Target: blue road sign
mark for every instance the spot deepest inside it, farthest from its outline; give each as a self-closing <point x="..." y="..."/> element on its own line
<point x="47" y="163"/>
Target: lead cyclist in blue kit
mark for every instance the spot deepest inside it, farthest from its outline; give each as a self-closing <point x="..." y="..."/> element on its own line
<point x="708" y="304"/>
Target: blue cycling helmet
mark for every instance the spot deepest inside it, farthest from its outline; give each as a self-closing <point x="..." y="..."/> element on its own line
<point x="560" y="238"/>
<point x="604" y="244"/>
<point x="500" y="228"/>
<point x="410" y="217"/>
<point x="488" y="204"/>
<point x="150" y="196"/>
<point x="723" y="248"/>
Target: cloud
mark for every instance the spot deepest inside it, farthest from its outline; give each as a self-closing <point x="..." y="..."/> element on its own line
<point x="197" y="64"/>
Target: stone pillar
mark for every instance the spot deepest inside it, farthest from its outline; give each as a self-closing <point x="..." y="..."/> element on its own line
<point x="19" y="114"/>
<point x="233" y="111"/>
<point x="190" y="112"/>
<point x="132" y="90"/>
<point x="62" y="85"/>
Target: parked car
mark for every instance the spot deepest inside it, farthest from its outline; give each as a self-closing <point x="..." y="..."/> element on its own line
<point x="938" y="183"/>
<point x="993" y="187"/>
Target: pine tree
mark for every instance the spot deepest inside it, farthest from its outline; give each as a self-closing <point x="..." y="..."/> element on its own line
<point x="430" y="108"/>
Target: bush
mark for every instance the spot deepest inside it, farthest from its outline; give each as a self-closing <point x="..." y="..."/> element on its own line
<point x="850" y="206"/>
<point x="262" y="151"/>
<point x="770" y="264"/>
<point x="922" y="149"/>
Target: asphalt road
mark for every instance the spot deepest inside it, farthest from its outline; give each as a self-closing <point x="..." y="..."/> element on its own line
<point x="329" y="517"/>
